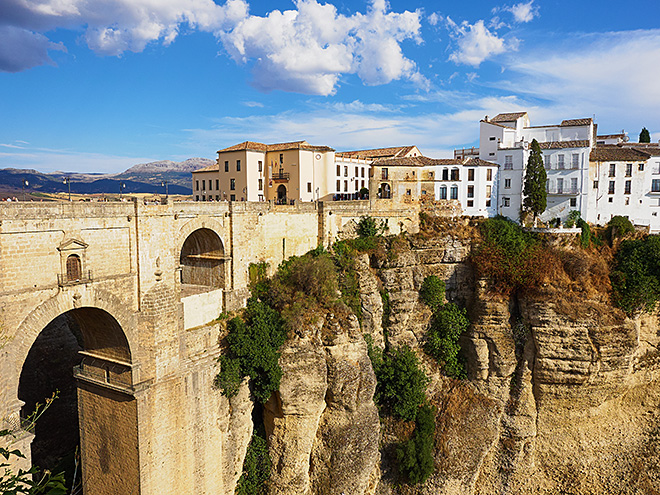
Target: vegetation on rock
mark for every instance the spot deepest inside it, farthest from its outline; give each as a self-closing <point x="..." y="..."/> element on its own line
<point x="256" y="466"/>
<point x="618" y="227"/>
<point x="636" y="274"/>
<point x="415" y="456"/>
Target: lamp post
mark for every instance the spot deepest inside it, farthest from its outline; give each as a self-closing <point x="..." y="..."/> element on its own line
<point x="67" y="181"/>
<point x="164" y="184"/>
<point x="122" y="186"/>
<point x="25" y="184"/>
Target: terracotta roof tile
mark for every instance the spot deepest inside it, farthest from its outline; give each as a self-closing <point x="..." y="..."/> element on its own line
<point x="508" y="117"/>
<point x="211" y="168"/>
<point x="376" y="153"/>
<point x="295" y="145"/>
<point x="416" y="161"/>
<point x="614" y="153"/>
<point x="478" y="162"/>
<point x="571" y="122"/>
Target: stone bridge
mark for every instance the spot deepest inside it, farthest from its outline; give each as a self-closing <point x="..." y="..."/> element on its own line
<point x="128" y="296"/>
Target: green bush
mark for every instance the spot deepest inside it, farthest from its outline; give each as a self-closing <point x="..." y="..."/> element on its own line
<point x="415" y="457"/>
<point x="510" y="257"/>
<point x="432" y="292"/>
<point x="447" y="325"/>
<point x="617" y="227"/>
<point x="256" y="467"/>
<point x="401" y="381"/>
<point x="636" y="275"/>
<point x="253" y="351"/>
<point x="370" y="227"/>
<point x="585" y="235"/>
<point x="344" y="258"/>
<point x="573" y="218"/>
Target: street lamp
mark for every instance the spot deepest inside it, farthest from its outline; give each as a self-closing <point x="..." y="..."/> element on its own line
<point x="164" y="184"/>
<point x="25" y="184"/>
<point x="67" y="181"/>
<point x="122" y="186"/>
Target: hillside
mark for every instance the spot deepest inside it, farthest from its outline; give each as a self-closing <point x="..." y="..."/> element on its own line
<point x="141" y="178"/>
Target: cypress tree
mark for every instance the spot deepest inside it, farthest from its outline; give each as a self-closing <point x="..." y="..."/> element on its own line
<point x="645" y="136"/>
<point x="536" y="196"/>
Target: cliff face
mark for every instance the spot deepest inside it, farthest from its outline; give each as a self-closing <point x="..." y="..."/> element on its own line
<point x="562" y="395"/>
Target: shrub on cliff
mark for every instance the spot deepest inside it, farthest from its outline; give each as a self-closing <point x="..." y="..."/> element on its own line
<point x="253" y="344"/>
<point x="256" y="466"/>
<point x="415" y="456"/>
<point x="447" y="325"/>
<point x="617" y="227"/>
<point x="636" y="274"/>
<point x="401" y="382"/>
<point x="510" y="257"/>
<point x="432" y="292"/>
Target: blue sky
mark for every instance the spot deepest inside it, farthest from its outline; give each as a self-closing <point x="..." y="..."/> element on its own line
<point x="100" y="85"/>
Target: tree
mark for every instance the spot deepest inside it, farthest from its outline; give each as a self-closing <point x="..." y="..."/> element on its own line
<point x="644" y="136"/>
<point x="535" y="178"/>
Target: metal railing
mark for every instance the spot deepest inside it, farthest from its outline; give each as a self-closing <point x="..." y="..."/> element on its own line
<point x="63" y="280"/>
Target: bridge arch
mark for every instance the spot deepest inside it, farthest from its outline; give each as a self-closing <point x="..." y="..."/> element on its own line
<point x="202" y="254"/>
<point x="83" y="330"/>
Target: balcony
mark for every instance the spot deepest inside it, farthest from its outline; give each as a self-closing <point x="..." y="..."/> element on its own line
<point x="564" y="191"/>
<point x="281" y="176"/>
<point x="63" y="281"/>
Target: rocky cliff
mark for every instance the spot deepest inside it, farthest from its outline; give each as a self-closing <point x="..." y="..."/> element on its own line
<point x="562" y="394"/>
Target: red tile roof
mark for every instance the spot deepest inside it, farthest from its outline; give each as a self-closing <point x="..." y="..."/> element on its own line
<point x="507" y="117"/>
<point x="396" y="151"/>
<point x="254" y="146"/>
<point x="614" y="153"/>
<point x="571" y="122"/>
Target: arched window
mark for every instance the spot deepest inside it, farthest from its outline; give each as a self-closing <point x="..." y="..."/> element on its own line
<point x="454" y="192"/>
<point x="73" y="268"/>
<point x="445" y="174"/>
<point x="443" y="192"/>
<point x="454" y="174"/>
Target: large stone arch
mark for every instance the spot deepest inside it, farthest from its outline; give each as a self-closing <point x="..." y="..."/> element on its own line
<point x="203" y="254"/>
<point x="105" y="376"/>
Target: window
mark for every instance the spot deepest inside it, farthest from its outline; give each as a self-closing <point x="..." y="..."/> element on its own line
<point x="573" y="202"/>
<point x="574" y="185"/>
<point x="506" y="202"/>
<point x="454" y="174"/>
<point x="492" y="138"/>
<point x="640" y="167"/>
<point x="489" y="174"/>
<point x="232" y="197"/>
<point x="217" y="184"/>
<point x="546" y="161"/>
<point x="210" y="185"/>
<point x="575" y="160"/>
<point x="610" y="200"/>
<point x="196" y="185"/>
<point x="595" y="184"/>
<point x="345" y="186"/>
<point x="470" y="203"/>
<point x="656" y="168"/>
<point x="470" y="192"/>
<point x="508" y="162"/>
<point x="610" y="189"/>
<point x="281" y="158"/>
<point x="560" y="186"/>
<point x="227" y="166"/>
<point x="431" y="175"/>
<point x="443" y="192"/>
<point x="346" y="171"/>
<point x="338" y="170"/>
<point x="507" y="183"/>
<point x="261" y="166"/>
<point x="73" y="268"/>
<point x="627" y="186"/>
<point x="384" y="173"/>
<point x="203" y="198"/>
<point x="488" y="203"/>
<point x="453" y="192"/>
<point x="356" y="171"/>
<point x="238" y="165"/>
<point x="197" y="197"/>
<point x="612" y="169"/>
<point x="261" y="184"/>
<point x="408" y="192"/>
<point x="203" y="185"/>
<point x="628" y="169"/>
<point x="445" y="174"/>
<point x="470" y="174"/>
<point x="655" y="185"/>
<point x="309" y="187"/>
<point x="627" y="201"/>
<point x="362" y="172"/>
<point x="489" y="191"/>
<point x="362" y="185"/>
<point x="560" y="162"/>
<point x="357" y="186"/>
<point x="338" y="186"/>
<point x="232" y="184"/>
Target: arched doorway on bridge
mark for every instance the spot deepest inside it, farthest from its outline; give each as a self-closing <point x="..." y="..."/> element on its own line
<point x="281" y="194"/>
<point x="202" y="261"/>
<point x="90" y="429"/>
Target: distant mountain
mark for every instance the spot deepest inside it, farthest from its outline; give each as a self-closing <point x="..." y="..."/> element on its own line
<point x="141" y="178"/>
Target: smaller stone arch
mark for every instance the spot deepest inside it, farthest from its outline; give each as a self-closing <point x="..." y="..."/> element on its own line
<point x="385" y="191"/>
<point x="202" y="259"/>
<point x="281" y="195"/>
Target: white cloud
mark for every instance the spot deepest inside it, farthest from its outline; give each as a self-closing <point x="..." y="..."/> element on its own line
<point x="475" y="43"/>
<point x="434" y="19"/>
<point x="523" y="12"/>
<point x="253" y="104"/>
<point x="307" y="50"/>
